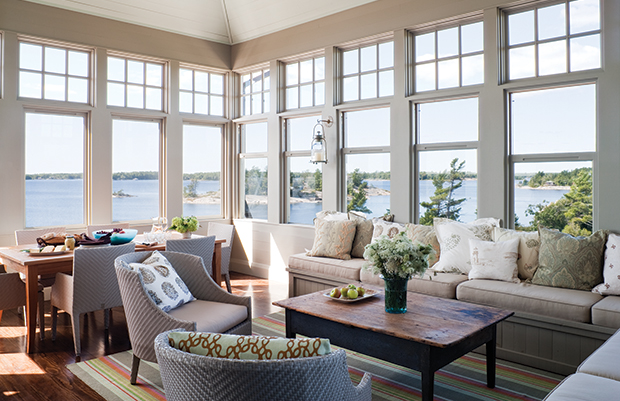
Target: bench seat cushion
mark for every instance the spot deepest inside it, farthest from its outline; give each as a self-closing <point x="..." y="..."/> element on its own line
<point x="607" y="312"/>
<point x="584" y="387"/>
<point x="442" y="285"/>
<point x="555" y="302"/>
<point x="604" y="361"/>
<point x="349" y="270"/>
<point x="211" y="316"/>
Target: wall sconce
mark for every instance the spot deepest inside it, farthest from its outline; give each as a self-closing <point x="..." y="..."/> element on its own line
<point x="318" y="148"/>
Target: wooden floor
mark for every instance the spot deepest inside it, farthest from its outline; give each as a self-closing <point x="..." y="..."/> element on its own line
<point x="43" y="375"/>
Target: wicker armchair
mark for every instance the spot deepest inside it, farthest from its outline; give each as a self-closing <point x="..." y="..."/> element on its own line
<point x="214" y="309"/>
<point x="227" y="232"/>
<point x="188" y="377"/>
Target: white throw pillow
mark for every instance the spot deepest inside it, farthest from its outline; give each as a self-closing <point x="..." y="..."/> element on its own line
<point x="453" y="238"/>
<point x="529" y="247"/>
<point x="162" y="282"/>
<point x="611" y="268"/>
<point x="382" y="227"/>
<point x="494" y="260"/>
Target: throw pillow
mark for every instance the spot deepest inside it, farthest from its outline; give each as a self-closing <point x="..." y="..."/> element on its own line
<point x="331" y="215"/>
<point x="570" y="262"/>
<point x="162" y="282"/>
<point x="232" y="346"/>
<point x="424" y="235"/>
<point x="333" y="239"/>
<point x="611" y="268"/>
<point x="363" y="234"/>
<point x="382" y="227"/>
<point x="494" y="260"/>
<point x="529" y="246"/>
<point x="453" y="238"/>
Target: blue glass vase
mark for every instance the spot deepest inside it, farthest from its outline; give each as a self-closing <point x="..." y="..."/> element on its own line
<point x="395" y="294"/>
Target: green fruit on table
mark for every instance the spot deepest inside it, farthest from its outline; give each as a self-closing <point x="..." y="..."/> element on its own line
<point x="335" y="293"/>
<point x="361" y="291"/>
<point x="352" y="293"/>
<point x="344" y="292"/>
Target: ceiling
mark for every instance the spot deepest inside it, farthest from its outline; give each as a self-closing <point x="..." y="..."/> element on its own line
<point x="224" y="21"/>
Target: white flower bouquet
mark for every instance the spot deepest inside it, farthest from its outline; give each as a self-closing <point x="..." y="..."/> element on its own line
<point x="398" y="257"/>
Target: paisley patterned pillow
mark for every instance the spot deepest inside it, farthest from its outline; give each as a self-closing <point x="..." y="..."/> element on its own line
<point x="162" y="282"/>
<point x="232" y="346"/>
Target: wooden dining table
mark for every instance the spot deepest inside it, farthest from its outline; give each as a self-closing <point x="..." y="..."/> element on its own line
<point x="33" y="266"/>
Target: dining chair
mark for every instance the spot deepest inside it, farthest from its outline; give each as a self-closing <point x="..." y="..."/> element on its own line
<point x="92" y="287"/>
<point x="227" y="232"/>
<point x="213" y="310"/>
<point x="98" y="227"/>
<point x="13" y="293"/>
<point x="202" y="247"/>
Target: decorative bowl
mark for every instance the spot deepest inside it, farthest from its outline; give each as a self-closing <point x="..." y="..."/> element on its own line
<point x="126" y="235"/>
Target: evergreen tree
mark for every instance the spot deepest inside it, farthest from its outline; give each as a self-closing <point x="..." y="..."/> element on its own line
<point x="357" y="190"/>
<point x="443" y="203"/>
<point x="190" y="190"/>
<point x="318" y="180"/>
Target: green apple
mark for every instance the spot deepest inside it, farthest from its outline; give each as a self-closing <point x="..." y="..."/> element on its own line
<point x="352" y="286"/>
<point x="344" y="292"/>
<point x="361" y="291"/>
<point x="335" y="293"/>
<point x="352" y="293"/>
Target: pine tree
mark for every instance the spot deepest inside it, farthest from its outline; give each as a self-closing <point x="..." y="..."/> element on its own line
<point x="443" y="203"/>
<point x="318" y="180"/>
<point x="357" y="190"/>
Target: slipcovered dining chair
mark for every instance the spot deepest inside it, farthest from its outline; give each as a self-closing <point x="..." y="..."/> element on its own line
<point x="213" y="310"/>
<point x="13" y="293"/>
<point x="202" y="247"/>
<point x="227" y="232"/>
<point x="188" y="376"/>
<point x="98" y="227"/>
<point x="92" y="287"/>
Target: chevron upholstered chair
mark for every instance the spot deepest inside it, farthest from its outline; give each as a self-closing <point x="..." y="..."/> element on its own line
<point x="202" y="247"/>
<point x="227" y="232"/>
<point x="92" y="287"/>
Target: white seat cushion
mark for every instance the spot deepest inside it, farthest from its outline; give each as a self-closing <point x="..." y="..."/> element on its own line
<point x="607" y="312"/>
<point x="442" y="285"/>
<point x="210" y="316"/>
<point x="345" y="269"/>
<point x="604" y="361"/>
<point x="584" y="387"/>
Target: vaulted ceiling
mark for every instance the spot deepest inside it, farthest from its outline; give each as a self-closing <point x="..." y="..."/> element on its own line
<point x="224" y="21"/>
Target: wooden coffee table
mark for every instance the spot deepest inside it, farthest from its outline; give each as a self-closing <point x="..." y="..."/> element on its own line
<point x="433" y="333"/>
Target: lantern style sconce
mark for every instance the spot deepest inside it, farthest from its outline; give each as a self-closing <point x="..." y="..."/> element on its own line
<point x="318" y="148"/>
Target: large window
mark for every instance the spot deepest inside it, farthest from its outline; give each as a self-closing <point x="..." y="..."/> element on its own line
<point x="305" y="180"/>
<point x="253" y="167"/>
<point x="447" y="159"/>
<point x="202" y="168"/>
<point x="135" y="83"/>
<point x="54" y="73"/>
<point x="201" y="92"/>
<point x="54" y="169"/>
<point x="367" y="161"/>
<point x="305" y="83"/>
<point x="368" y="72"/>
<point x="552" y="149"/>
<point x="135" y="167"/>
<point x="255" y="92"/>
<point x="449" y="58"/>
<point x="554" y="39"/>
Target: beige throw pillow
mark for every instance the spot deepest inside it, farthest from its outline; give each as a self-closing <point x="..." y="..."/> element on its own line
<point x="529" y="246"/>
<point x="424" y="235"/>
<point x="333" y="239"/>
<point x="494" y="260"/>
<point x="363" y="234"/>
<point x="611" y="268"/>
<point x="382" y="227"/>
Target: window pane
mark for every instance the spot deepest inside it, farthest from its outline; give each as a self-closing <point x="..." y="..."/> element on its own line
<point x="369" y="86"/>
<point x="521" y="62"/>
<point x="201" y="83"/>
<point x="54" y="195"/>
<point x="31" y="56"/>
<point x="154" y="74"/>
<point x="186" y="102"/>
<point x="350" y="62"/>
<point x="292" y="97"/>
<point x="448" y="42"/>
<point x="135" y="96"/>
<point x="78" y="64"/>
<point x="55" y="60"/>
<point x="319" y="68"/>
<point x="30" y="84"/>
<point x="245" y="105"/>
<point x="368" y="183"/>
<point x="369" y="58"/>
<point x="255" y="187"/>
<point x="552" y="21"/>
<point x="540" y="191"/>
<point x="367" y="128"/>
<point x="425" y="77"/>
<point x="552" y="57"/>
<point x="472" y="39"/>
<point x="521" y="28"/>
<point x="257" y="81"/>
<point x="459" y="205"/>
<point x="305" y="190"/>
<point x="585" y="53"/>
<point x="217" y="84"/>
<point x="545" y="121"/>
<point x="217" y="105"/>
<point x="292" y="74"/>
<point x="305" y="95"/>
<point x="254" y="137"/>
<point x="386" y="55"/>
<point x="319" y="93"/>
<point x="135" y="180"/>
<point x="266" y="100"/>
<point x="153" y="99"/>
<point x="473" y="70"/>
<point x="78" y="90"/>
<point x="54" y="87"/>
<point x="386" y="83"/>
<point x="186" y="79"/>
<point x="462" y="125"/>
<point x="245" y="84"/>
<point x="135" y="72"/>
<point x="448" y="72"/>
<point x="266" y="80"/>
<point x="425" y="47"/>
<point x="201" y="103"/>
<point x="300" y="132"/>
<point x="116" y="94"/>
<point x="585" y="15"/>
<point x="350" y="87"/>
<point x="256" y="104"/>
<point x="116" y="69"/>
<point x="202" y="165"/>
<point x="305" y="71"/>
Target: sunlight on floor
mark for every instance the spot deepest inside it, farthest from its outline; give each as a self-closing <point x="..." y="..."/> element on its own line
<point x="12" y="331"/>
<point x="9" y="393"/>
<point x="18" y="364"/>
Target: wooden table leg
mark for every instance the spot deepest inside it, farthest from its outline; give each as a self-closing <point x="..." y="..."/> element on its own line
<point x="491" y="356"/>
<point x="216" y="266"/>
<point x="427" y="375"/>
<point x="32" y="292"/>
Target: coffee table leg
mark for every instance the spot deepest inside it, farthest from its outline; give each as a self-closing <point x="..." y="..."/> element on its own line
<point x="287" y="324"/>
<point x="491" y="356"/>
<point x="428" y="382"/>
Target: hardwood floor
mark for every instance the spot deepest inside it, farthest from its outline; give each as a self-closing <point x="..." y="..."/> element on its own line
<point x="43" y="375"/>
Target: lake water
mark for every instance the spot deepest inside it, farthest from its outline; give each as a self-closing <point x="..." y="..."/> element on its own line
<point x="60" y="202"/>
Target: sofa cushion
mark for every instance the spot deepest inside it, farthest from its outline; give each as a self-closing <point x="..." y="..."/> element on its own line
<point x="494" y="260"/>
<point x="604" y="361"/>
<point x="547" y="301"/>
<point x="611" y="268"/>
<point x="333" y="239"/>
<point x="529" y="246"/>
<point x="348" y="270"/>
<point x="441" y="285"/>
<point x="607" y="312"/>
<point x="584" y="387"/>
<point x="211" y="316"/>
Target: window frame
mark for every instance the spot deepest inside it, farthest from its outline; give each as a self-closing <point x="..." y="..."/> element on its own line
<point x="209" y="94"/>
<point x="299" y="84"/>
<point x="265" y="105"/>
<point x="342" y="76"/>
<point x="241" y="155"/>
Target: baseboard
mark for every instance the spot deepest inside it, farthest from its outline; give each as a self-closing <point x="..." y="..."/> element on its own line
<point x="242" y="266"/>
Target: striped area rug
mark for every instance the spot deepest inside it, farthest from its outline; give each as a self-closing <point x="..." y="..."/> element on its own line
<point x="464" y="379"/>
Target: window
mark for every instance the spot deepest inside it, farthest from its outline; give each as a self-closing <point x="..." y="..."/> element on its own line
<point x="305" y="182"/>
<point x="367" y="160"/>
<point x="554" y="39"/>
<point x="54" y="73"/>
<point x="201" y="92"/>
<point x="447" y="159"/>
<point x="449" y="58"/>
<point x="202" y="168"/>
<point x="368" y="72"/>
<point x="255" y="92"/>
<point x="54" y="169"/>
<point x="135" y="167"/>
<point x="135" y="83"/>
<point x="552" y="149"/>
<point x="253" y="167"/>
<point x="305" y="83"/>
